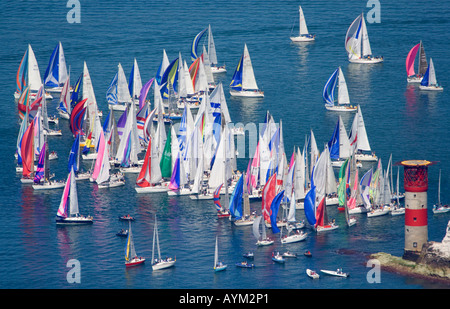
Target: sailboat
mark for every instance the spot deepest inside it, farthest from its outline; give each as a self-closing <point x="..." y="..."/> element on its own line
<point x="261" y="237"/>
<point x="28" y="75"/>
<point x="222" y="212"/>
<point x="131" y="258"/>
<point x="439" y="208"/>
<point x="42" y="172"/>
<point x="240" y="194"/>
<point x="303" y="35"/>
<point x="343" y="100"/>
<point x="351" y="203"/>
<point x="294" y="237"/>
<point x="70" y="215"/>
<point x="218" y="266"/>
<point x="118" y="94"/>
<point x="64" y="108"/>
<point x="158" y="263"/>
<point x="243" y="83"/>
<point x="149" y="179"/>
<point x="429" y="81"/>
<point x="359" y="142"/>
<point x="215" y="68"/>
<point x="397" y="209"/>
<point x="56" y="74"/>
<point x="412" y="77"/>
<point x="380" y="193"/>
<point x="357" y="43"/>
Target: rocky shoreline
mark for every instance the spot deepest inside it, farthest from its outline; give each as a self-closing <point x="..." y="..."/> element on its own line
<point x="432" y="264"/>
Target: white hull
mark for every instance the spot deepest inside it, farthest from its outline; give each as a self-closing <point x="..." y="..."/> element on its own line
<point x="398" y="211"/>
<point x="83" y="176"/>
<point x="340" y="162"/>
<point x="367" y="60"/>
<point x="357" y="210"/>
<point x="440" y="209"/>
<point x="163" y="264"/>
<point x="312" y="274"/>
<point x="49" y="186"/>
<point x="118" y="107"/>
<point x="414" y="79"/>
<point x="74" y="220"/>
<point x="247" y="93"/>
<point x="111" y="184"/>
<point x="202" y="196"/>
<point x="366" y="157"/>
<point x="351" y="222"/>
<point x="63" y="115"/>
<point x="378" y="212"/>
<point x="184" y="191"/>
<point x="293" y="238"/>
<point x="302" y="38"/>
<point x="89" y="156"/>
<point x="153" y="189"/>
<point x="215" y="70"/>
<point x="52" y="132"/>
<point x="326" y="228"/>
<point x="132" y="169"/>
<point x="244" y="222"/>
<point x="339" y="108"/>
<point x="431" y="88"/>
<point x="334" y="273"/>
<point x="266" y="242"/>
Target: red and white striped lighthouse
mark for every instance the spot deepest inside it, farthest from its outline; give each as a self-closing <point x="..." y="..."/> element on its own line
<point x="415" y="182"/>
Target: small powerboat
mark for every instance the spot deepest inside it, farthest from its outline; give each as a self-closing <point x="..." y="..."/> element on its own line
<point x="312" y="274"/>
<point x="337" y="273"/>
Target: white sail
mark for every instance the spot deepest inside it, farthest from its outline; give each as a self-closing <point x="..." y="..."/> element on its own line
<point x="248" y="76"/>
<point x="34" y="77"/>
<point x="207" y="67"/>
<point x="188" y="81"/>
<point x="174" y="147"/>
<point x="182" y="92"/>
<point x="432" y="74"/>
<point x="358" y="135"/>
<point x="137" y="81"/>
<point x="255" y="229"/>
<point x="104" y="174"/>
<point x="365" y="44"/>
<point x="73" y="195"/>
<point x="303" y="28"/>
<point x="353" y="39"/>
<point x="155" y="168"/>
<point x="92" y="107"/>
<point x="218" y="103"/>
<point x="314" y="151"/>
<point x="299" y="175"/>
<point x="62" y="72"/>
<point x="201" y="82"/>
<point x="123" y="93"/>
<point x="211" y="47"/>
<point x="344" y="143"/>
<point x="343" y="97"/>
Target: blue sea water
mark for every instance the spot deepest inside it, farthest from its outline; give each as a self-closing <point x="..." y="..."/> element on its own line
<point x="400" y="120"/>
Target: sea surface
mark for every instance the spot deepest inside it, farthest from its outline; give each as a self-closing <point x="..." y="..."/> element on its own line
<point x="400" y="120"/>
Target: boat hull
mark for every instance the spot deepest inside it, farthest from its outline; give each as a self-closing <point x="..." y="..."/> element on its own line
<point x="431" y="88"/>
<point x="247" y="93"/>
<point x="366" y="157"/>
<point x="326" y="228"/>
<point x="414" y="79"/>
<point x="163" y="265"/>
<point x="135" y="262"/>
<point x="220" y="268"/>
<point x="378" y="212"/>
<point x="81" y="220"/>
<point x="114" y="184"/>
<point x="47" y="186"/>
<point x="152" y="189"/>
<point x="302" y="38"/>
<point x="221" y="69"/>
<point x="293" y="238"/>
<point x="366" y="60"/>
<point x="337" y="108"/>
<point x="334" y="273"/>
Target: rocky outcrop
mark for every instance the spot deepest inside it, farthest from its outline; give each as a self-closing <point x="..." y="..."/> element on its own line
<point x="433" y="262"/>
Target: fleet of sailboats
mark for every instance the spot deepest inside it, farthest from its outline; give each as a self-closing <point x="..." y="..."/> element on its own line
<point x="199" y="159"/>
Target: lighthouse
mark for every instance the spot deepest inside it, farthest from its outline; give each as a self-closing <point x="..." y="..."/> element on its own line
<point x="415" y="182"/>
